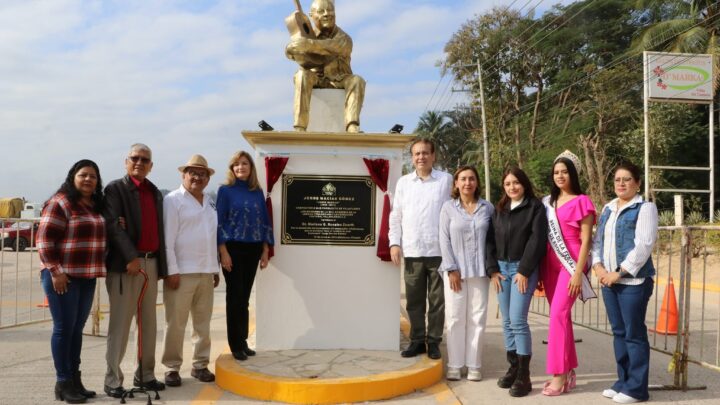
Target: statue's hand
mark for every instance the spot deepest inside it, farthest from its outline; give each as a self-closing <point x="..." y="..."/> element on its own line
<point x="297" y="46"/>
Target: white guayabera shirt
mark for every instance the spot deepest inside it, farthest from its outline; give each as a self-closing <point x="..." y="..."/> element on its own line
<point x="415" y="215"/>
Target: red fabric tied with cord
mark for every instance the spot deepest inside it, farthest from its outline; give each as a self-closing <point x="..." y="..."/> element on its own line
<point x="274" y="167"/>
<point x="379" y="170"/>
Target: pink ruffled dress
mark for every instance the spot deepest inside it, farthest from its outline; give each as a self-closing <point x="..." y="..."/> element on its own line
<point x="561" y="354"/>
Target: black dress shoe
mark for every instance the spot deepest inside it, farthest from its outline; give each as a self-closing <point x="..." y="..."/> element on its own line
<point x="433" y="350"/>
<point x="116" y="392"/>
<point x="240" y="355"/>
<point x="245" y="349"/>
<point x="154" y="385"/>
<point x="413" y="350"/>
<point x="172" y="379"/>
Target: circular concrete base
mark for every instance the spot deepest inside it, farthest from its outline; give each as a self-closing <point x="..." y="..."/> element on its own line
<point x="263" y="378"/>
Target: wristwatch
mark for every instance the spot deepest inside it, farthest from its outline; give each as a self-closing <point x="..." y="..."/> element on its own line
<point x="623" y="273"/>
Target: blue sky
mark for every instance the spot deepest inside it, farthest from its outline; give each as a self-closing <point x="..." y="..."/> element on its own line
<point x="87" y="78"/>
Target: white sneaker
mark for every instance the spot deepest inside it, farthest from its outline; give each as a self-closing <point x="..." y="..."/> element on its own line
<point x="621" y="398"/>
<point x="609" y="393"/>
<point x="474" y="374"/>
<point x="453" y="374"/>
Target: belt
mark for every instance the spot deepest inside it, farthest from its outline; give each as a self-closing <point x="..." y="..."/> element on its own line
<point x="147" y="255"/>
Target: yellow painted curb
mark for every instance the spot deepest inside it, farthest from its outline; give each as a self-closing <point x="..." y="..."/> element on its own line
<point x="232" y="377"/>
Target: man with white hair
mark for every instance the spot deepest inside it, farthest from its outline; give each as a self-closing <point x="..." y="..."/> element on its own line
<point x="324" y="59"/>
<point x="193" y="270"/>
<point x="133" y="217"/>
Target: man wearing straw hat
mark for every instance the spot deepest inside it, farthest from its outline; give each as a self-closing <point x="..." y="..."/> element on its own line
<point x="192" y="255"/>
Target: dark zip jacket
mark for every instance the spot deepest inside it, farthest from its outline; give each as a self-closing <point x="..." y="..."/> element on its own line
<point x="122" y="199"/>
<point x="518" y="235"/>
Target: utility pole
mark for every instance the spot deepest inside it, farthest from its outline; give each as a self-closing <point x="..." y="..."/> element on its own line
<point x="486" y="152"/>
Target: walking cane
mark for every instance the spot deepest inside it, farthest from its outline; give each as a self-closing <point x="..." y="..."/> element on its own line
<point x="141" y="390"/>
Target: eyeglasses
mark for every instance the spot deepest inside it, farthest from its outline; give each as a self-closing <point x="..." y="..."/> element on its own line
<point x="197" y="173"/>
<point x="140" y="159"/>
<point x="623" y="179"/>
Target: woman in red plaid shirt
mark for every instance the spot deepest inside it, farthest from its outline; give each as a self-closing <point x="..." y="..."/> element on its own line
<point x="71" y="242"/>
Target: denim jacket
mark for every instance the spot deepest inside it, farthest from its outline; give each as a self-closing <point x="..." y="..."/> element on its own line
<point x="625" y="237"/>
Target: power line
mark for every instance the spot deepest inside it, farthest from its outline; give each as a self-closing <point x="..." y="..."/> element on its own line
<point x="530" y="105"/>
<point x="592" y="109"/>
<point x="631" y="87"/>
<point x="441" y="78"/>
<point x="496" y="67"/>
<point x="519" y="35"/>
<point x="612" y="64"/>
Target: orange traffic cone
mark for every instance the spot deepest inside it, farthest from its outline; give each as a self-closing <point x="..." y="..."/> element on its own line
<point x="44" y="304"/>
<point x="667" y="322"/>
<point x="540" y="290"/>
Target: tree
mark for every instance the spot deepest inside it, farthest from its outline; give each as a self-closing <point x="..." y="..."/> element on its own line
<point x="614" y="117"/>
<point x="451" y="135"/>
<point x="540" y="95"/>
<point x="695" y="28"/>
<point x="685" y="26"/>
<point x="496" y="41"/>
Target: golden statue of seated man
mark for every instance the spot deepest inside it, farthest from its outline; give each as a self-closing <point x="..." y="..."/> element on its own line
<point x="324" y="58"/>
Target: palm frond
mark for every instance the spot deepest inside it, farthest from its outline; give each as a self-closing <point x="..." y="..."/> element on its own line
<point x="694" y="40"/>
<point x="661" y="35"/>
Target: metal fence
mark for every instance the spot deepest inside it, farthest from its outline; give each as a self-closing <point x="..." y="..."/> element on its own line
<point x="22" y="299"/>
<point x="687" y="294"/>
<point x="687" y="258"/>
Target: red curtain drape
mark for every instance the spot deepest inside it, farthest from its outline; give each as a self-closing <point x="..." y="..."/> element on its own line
<point x="274" y="167"/>
<point x="379" y="170"/>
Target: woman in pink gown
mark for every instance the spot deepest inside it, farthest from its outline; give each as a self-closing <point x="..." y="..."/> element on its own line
<point x="575" y="215"/>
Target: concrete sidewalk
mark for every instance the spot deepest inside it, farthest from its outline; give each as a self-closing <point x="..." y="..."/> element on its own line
<point x="28" y="375"/>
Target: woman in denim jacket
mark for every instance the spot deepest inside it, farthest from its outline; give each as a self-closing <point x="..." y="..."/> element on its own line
<point x="622" y="250"/>
<point x="520" y="235"/>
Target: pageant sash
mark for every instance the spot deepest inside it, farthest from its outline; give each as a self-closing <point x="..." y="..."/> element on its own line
<point x="557" y="242"/>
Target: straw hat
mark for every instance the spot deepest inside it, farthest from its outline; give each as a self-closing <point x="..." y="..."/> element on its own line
<point x="197" y="161"/>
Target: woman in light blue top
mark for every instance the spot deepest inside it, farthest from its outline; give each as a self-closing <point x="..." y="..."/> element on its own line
<point x="464" y="225"/>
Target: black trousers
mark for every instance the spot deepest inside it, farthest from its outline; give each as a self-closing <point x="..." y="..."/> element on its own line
<point x="239" y="282"/>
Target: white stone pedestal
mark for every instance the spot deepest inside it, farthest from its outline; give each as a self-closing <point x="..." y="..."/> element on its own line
<point x="327" y="296"/>
<point x="327" y="110"/>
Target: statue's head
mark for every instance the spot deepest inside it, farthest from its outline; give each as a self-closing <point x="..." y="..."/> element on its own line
<point x="322" y="13"/>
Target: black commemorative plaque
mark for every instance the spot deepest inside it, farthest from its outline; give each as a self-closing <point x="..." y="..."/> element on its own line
<point x="328" y="210"/>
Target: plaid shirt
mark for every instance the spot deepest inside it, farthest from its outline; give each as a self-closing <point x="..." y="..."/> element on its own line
<point x="71" y="239"/>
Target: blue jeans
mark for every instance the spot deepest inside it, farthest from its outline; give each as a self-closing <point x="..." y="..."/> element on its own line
<point x="514" y="307"/>
<point x="69" y="312"/>
<point x="626" y="306"/>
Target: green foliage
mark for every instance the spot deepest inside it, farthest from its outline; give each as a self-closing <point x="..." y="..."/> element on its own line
<point x="666" y="218"/>
<point x="453" y="134"/>
<point x="572" y="79"/>
<point x="695" y="218"/>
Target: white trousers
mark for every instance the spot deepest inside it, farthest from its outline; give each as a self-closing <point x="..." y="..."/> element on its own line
<point x="465" y="319"/>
